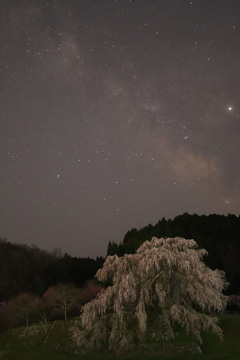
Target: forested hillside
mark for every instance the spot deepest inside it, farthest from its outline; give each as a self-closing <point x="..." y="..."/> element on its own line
<point x="25" y="269"/>
<point x="218" y="234"/>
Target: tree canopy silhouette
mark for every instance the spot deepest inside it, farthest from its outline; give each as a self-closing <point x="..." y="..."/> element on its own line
<point x="218" y="234"/>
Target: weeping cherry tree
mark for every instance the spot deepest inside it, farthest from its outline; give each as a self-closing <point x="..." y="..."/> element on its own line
<point x="163" y="286"/>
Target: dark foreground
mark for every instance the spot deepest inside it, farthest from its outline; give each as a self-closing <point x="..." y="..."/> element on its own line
<point x="54" y="344"/>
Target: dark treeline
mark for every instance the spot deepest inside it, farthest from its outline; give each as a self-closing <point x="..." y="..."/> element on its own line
<point x="25" y="269"/>
<point x="218" y="234"/>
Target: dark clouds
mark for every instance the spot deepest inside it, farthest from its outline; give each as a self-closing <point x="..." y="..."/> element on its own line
<point x="115" y="114"/>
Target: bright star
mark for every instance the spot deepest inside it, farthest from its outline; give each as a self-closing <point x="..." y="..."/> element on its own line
<point x="229" y="108"/>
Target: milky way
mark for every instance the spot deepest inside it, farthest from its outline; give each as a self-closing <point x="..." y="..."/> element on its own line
<point x="115" y="114"/>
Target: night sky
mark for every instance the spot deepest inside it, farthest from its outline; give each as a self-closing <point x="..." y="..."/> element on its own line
<point x="115" y="114"/>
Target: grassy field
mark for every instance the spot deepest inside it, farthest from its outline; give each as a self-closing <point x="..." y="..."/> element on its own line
<point x="56" y="344"/>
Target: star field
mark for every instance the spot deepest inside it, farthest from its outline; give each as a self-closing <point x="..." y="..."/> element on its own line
<point x="115" y="114"/>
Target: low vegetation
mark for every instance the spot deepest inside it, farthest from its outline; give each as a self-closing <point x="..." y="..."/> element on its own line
<point x="33" y="343"/>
